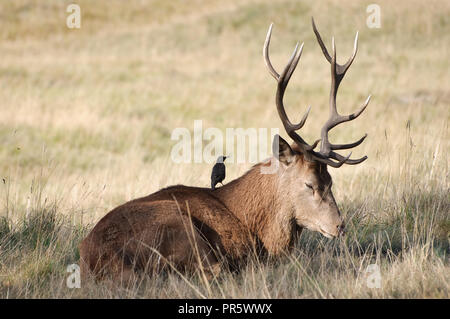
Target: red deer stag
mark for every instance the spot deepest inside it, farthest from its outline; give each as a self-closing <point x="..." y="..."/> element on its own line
<point x="190" y="228"/>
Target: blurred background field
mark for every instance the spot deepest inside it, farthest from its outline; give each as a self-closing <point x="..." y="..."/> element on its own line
<point x="87" y="115"/>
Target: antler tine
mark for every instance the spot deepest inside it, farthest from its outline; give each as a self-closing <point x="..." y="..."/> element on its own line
<point x="319" y="39"/>
<point x="326" y="160"/>
<point x="266" y="54"/>
<point x="282" y="84"/>
<point x="355" y="50"/>
<point x="336" y="118"/>
<point x="347" y="146"/>
<point x="347" y="160"/>
<point x="340" y="69"/>
<point x="283" y="81"/>
<point x="292" y="64"/>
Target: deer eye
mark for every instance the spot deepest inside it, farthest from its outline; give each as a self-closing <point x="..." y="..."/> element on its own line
<point x="309" y="186"/>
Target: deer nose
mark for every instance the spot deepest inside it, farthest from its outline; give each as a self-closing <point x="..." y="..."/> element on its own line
<point x="341" y="229"/>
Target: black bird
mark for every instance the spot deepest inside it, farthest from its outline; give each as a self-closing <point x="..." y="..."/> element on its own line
<point x="218" y="172"/>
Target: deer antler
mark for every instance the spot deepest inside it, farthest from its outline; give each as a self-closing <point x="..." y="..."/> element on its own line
<point x="326" y="153"/>
<point x="337" y="74"/>
<point x="283" y="81"/>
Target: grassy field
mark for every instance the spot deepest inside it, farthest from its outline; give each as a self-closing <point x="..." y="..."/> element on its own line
<point x="87" y="115"/>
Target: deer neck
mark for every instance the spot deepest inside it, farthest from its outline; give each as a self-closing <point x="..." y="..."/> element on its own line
<point x="255" y="200"/>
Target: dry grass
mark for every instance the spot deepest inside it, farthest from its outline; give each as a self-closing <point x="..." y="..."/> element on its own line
<point x="86" y="118"/>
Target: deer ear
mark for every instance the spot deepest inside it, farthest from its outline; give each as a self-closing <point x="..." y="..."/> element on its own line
<point x="282" y="150"/>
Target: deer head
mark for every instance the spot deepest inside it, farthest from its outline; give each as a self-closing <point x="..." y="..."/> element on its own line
<point x="304" y="178"/>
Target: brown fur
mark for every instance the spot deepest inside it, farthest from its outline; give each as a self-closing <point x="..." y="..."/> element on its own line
<point x="186" y="227"/>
